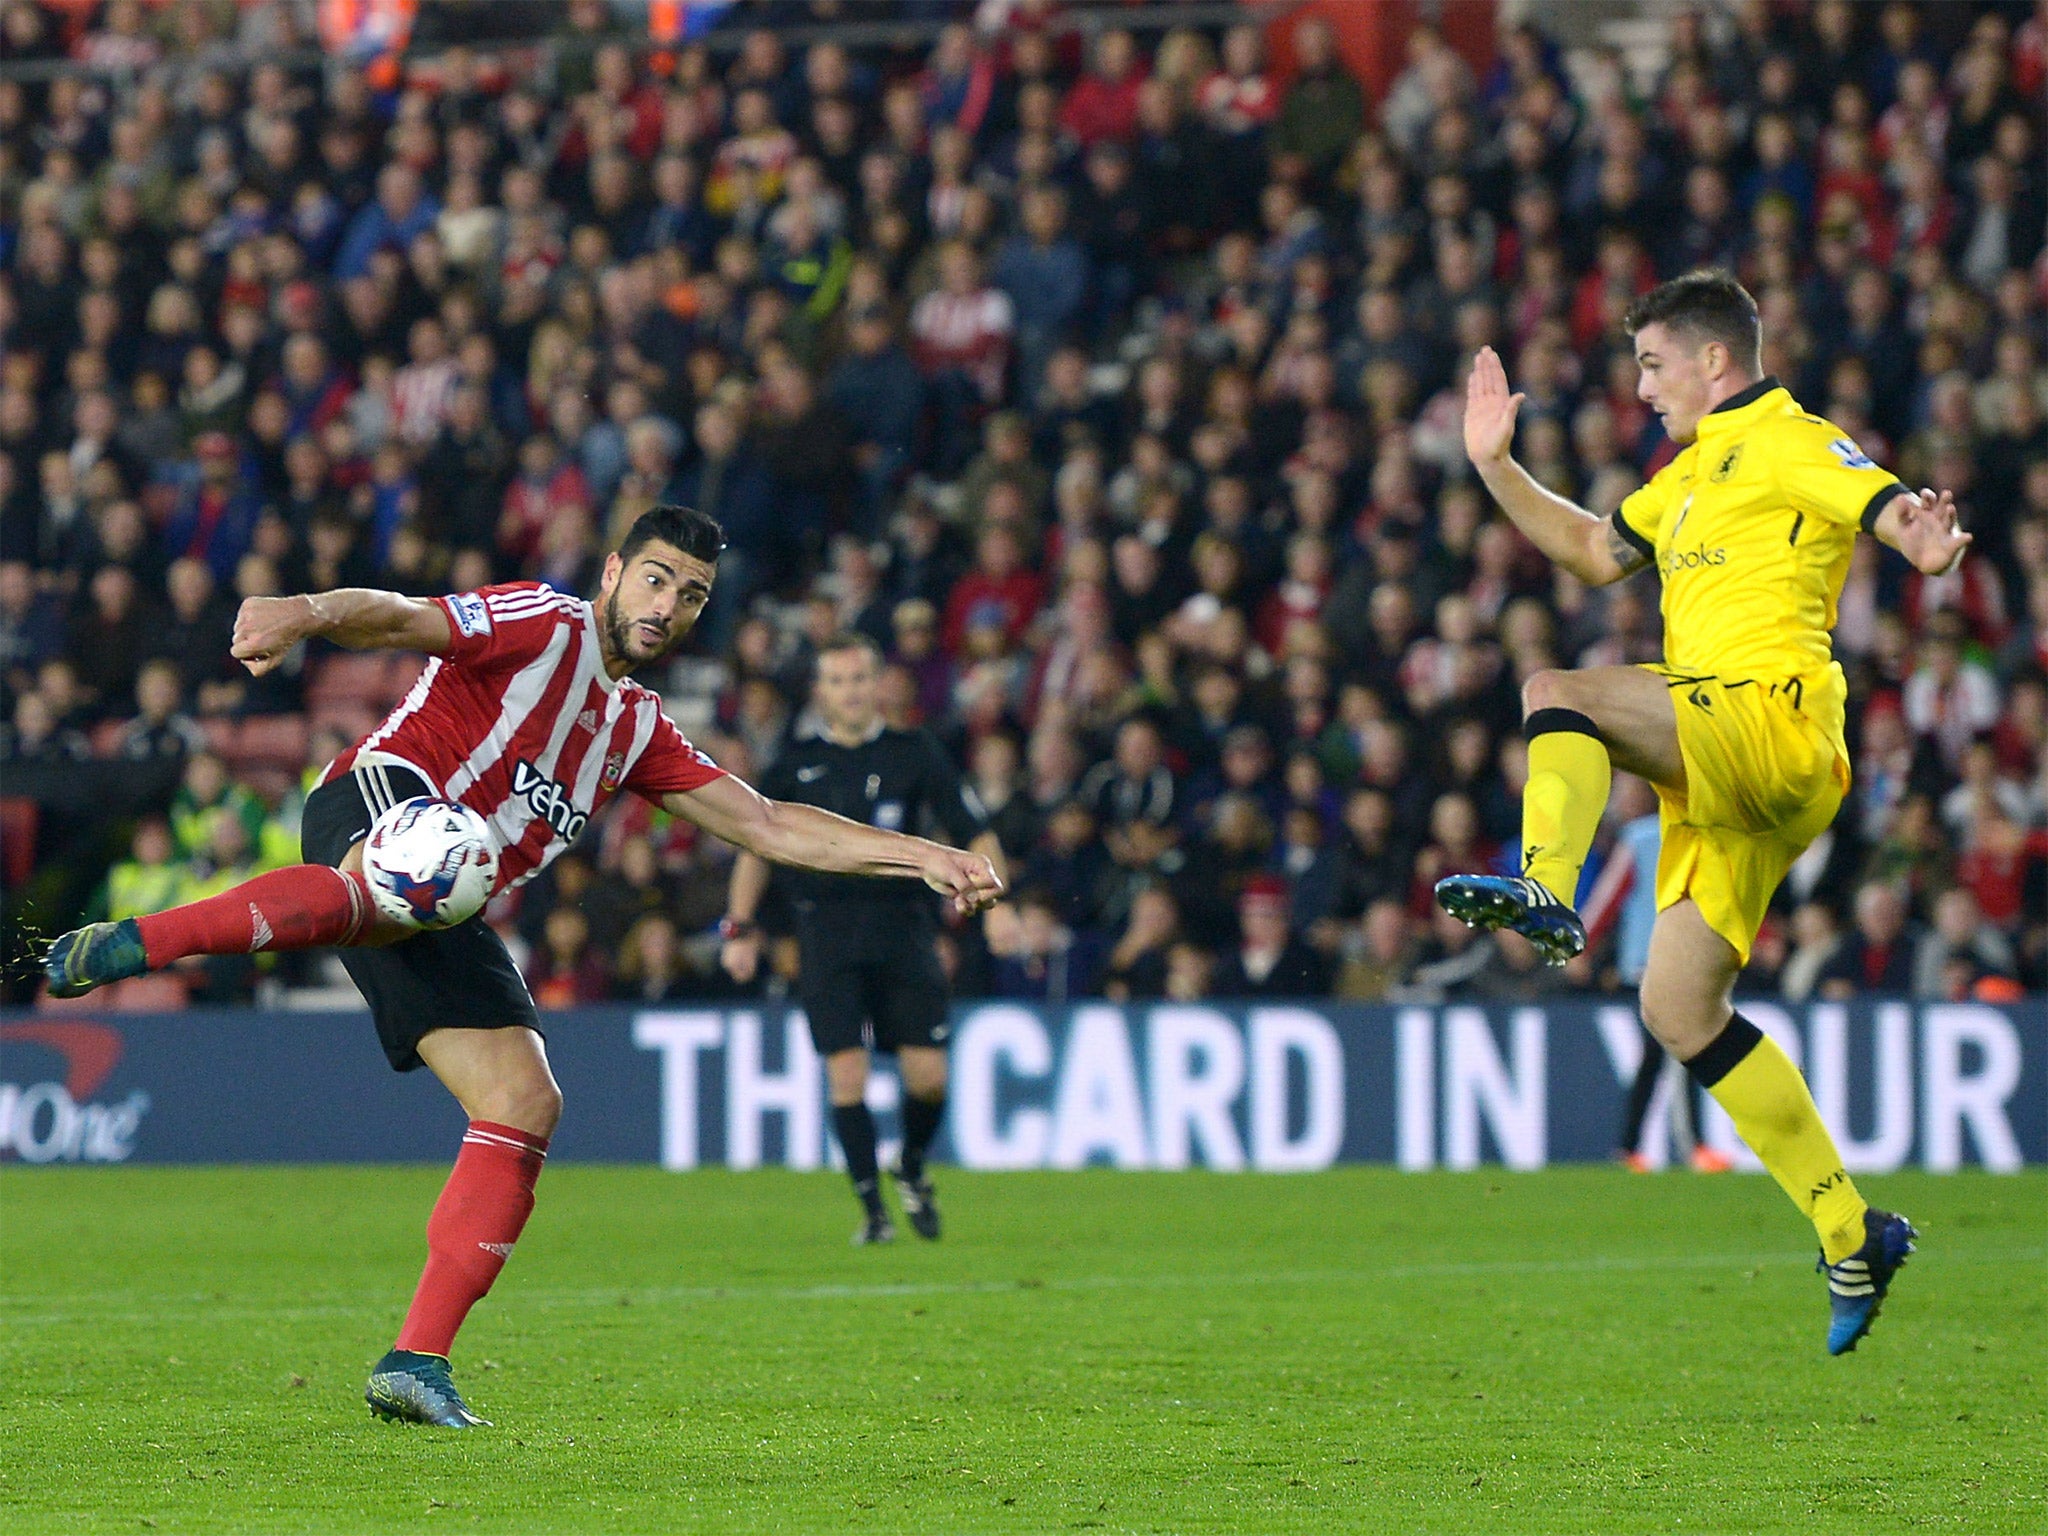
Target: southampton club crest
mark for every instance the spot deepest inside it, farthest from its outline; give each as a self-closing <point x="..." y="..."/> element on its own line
<point x="614" y="770"/>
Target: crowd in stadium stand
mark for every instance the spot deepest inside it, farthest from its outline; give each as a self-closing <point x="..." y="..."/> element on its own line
<point x="1110" y="380"/>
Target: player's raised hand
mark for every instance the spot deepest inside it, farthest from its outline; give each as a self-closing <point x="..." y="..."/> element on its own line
<point x="266" y="628"/>
<point x="967" y="878"/>
<point x="1489" y="409"/>
<point x="1928" y="535"/>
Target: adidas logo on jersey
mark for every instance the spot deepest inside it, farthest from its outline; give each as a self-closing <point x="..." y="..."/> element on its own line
<point x="587" y="721"/>
<point x="548" y="801"/>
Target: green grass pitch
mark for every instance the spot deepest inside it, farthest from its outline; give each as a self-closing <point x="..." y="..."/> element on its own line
<point x="1573" y="1351"/>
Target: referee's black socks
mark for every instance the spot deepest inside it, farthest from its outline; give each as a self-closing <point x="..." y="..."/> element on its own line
<point x="855" y="1128"/>
<point x="921" y="1121"/>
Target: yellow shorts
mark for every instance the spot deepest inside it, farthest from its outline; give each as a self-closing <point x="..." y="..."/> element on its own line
<point x="1764" y="778"/>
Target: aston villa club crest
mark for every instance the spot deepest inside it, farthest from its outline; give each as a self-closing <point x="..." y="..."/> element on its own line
<point x="1727" y="465"/>
<point x="614" y="770"/>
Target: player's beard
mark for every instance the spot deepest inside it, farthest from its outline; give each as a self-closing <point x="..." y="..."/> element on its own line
<point x="618" y="634"/>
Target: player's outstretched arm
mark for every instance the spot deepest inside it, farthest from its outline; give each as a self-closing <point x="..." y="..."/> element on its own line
<point x="786" y="833"/>
<point x="1923" y="529"/>
<point x="266" y="628"/>
<point x="1587" y="546"/>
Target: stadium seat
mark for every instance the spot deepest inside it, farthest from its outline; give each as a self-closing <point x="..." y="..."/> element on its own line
<point x="348" y="679"/>
<point x="19" y="822"/>
<point x="401" y="671"/>
<point x="269" y="741"/>
<point x="352" y="720"/>
<point x="164" y="992"/>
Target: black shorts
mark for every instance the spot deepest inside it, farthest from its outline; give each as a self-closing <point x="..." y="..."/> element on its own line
<point x="876" y="983"/>
<point x="453" y="978"/>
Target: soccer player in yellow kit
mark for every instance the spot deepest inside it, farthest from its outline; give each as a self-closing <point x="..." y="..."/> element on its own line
<point x="1740" y="729"/>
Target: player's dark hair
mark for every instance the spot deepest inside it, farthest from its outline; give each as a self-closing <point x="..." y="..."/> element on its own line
<point x="851" y="640"/>
<point x="696" y="534"/>
<point x="1709" y="305"/>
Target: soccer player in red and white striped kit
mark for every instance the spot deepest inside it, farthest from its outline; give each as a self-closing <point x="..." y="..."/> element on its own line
<point x="527" y="715"/>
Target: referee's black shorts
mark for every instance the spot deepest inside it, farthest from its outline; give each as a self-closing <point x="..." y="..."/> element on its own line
<point x="871" y="979"/>
<point x="454" y="978"/>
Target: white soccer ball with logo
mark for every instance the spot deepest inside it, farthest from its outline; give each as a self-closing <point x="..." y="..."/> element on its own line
<point x="429" y="863"/>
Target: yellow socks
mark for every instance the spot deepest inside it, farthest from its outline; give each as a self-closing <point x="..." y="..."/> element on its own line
<point x="1569" y="778"/>
<point x="1755" y="1081"/>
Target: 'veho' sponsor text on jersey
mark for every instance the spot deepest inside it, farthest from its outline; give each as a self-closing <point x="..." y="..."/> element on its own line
<point x="522" y="724"/>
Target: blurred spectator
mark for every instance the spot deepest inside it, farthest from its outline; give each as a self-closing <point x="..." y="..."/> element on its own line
<point x="651" y="968"/>
<point x="1001" y="590"/>
<point x="1051" y="963"/>
<point x="107" y="639"/>
<point x="1045" y="272"/>
<point x="1135" y="969"/>
<point x="1950" y="698"/>
<point x="1323" y="109"/>
<point x="1134" y="784"/>
<point x="1817" y="937"/>
<point x="1877" y="956"/>
<point x="1378" y="955"/>
<point x="1103" y="103"/>
<point x="31" y="628"/>
<point x="567" y="970"/>
<point x="880" y="393"/>
<point x="148" y="880"/>
<point x="37" y="735"/>
<point x="1960" y="937"/>
<point x="1270" y="959"/>
<point x="161" y="730"/>
<point x="963" y="331"/>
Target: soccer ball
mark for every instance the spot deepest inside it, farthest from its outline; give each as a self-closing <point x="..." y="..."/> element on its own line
<point x="429" y="863"/>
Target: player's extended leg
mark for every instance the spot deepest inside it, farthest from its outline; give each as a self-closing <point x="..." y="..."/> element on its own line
<point x="846" y="1080"/>
<point x="1581" y="726"/>
<point x="302" y="906"/>
<point x="1685" y="999"/>
<point x="502" y="1080"/>
<point x="923" y="1068"/>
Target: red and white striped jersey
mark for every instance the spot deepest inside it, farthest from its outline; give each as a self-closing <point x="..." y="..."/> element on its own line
<point x="521" y="723"/>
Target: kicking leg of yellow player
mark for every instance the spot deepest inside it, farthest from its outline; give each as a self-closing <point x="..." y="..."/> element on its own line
<point x="1685" y="999"/>
<point x="1580" y="724"/>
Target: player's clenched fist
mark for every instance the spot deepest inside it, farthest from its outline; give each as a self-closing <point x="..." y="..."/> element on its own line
<point x="266" y="628"/>
<point x="968" y="878"/>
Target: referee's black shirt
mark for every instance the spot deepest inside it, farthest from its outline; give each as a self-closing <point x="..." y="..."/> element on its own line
<point x="901" y="781"/>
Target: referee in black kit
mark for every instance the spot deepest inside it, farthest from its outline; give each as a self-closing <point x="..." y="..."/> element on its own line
<point x="869" y="976"/>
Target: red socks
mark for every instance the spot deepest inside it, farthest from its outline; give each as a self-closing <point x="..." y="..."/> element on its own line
<point x="470" y="1235"/>
<point x="302" y="906"/>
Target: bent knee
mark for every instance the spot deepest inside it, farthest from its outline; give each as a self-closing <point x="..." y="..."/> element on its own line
<point x="846" y="1077"/>
<point x="531" y="1102"/>
<point x="1682" y="1027"/>
<point x="924" y="1073"/>
<point x="1549" y="689"/>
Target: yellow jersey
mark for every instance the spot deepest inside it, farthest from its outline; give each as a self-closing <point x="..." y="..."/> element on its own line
<point x="1751" y="528"/>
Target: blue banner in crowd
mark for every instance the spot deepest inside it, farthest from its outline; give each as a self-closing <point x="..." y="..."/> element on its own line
<point x="1270" y="1087"/>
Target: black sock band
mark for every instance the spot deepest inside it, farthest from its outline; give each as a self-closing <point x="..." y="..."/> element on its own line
<point x="1725" y="1052"/>
<point x="921" y="1120"/>
<point x="855" y="1128"/>
<point x="1543" y="720"/>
